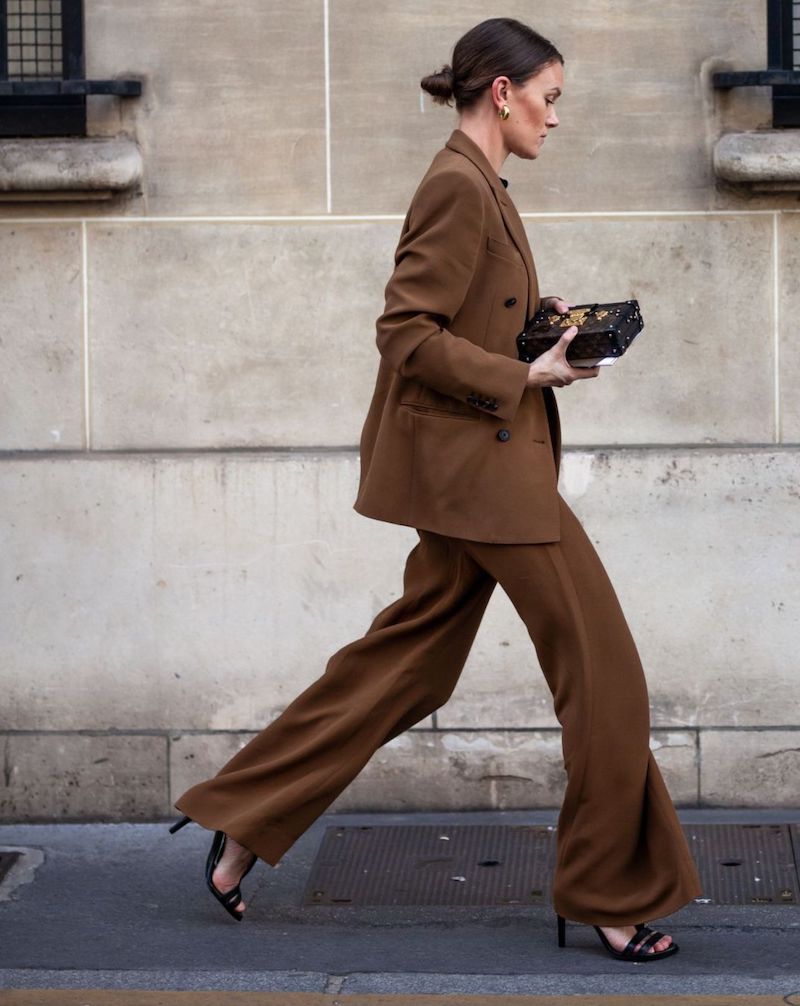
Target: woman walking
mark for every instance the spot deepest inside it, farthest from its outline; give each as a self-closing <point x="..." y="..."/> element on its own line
<point x="462" y="442"/>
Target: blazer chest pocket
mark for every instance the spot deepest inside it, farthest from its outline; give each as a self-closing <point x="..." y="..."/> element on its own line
<point x="507" y="252"/>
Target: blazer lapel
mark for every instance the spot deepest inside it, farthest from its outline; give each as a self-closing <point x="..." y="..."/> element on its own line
<point x="463" y="144"/>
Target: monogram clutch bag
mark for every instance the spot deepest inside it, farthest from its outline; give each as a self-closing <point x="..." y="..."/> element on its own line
<point x="605" y="331"/>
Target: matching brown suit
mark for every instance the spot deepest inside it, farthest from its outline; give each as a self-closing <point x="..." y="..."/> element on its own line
<point x="456" y="446"/>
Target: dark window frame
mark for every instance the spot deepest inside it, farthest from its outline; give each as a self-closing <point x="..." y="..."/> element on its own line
<point x="53" y="105"/>
<point x="781" y="74"/>
<point x="781" y="40"/>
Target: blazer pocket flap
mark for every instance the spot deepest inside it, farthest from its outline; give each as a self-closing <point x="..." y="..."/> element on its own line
<point x="504" y="250"/>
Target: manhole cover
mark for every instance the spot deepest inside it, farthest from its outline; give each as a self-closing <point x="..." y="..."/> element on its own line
<point x="745" y="864"/>
<point x="7" y="860"/>
<point x="432" y="865"/>
<point x="513" y="864"/>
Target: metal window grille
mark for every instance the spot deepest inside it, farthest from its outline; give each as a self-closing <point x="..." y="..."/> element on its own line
<point x="783" y="59"/>
<point x="42" y="86"/>
<point x="783" y="51"/>
<point x="34" y="39"/>
<point x="796" y="35"/>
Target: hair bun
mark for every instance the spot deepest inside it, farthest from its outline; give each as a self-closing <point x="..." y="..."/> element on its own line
<point x="439" y="84"/>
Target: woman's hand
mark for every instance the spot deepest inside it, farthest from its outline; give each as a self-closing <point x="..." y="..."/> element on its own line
<point x="552" y="369"/>
<point x="558" y="303"/>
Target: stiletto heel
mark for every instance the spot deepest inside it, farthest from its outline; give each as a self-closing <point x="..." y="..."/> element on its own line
<point x="628" y="953"/>
<point x="231" y="898"/>
<point x="179" y="824"/>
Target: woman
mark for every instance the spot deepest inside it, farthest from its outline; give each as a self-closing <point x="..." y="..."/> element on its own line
<point x="462" y="442"/>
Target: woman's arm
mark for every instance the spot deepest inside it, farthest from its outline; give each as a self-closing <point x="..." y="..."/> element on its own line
<point x="434" y="267"/>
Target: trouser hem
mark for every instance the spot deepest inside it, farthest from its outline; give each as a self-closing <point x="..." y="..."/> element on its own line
<point x="657" y="910"/>
<point x="269" y="843"/>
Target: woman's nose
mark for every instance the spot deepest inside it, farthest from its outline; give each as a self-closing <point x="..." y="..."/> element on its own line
<point x="552" y="119"/>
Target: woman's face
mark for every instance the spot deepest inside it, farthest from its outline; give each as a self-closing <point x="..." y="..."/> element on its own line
<point x="532" y="107"/>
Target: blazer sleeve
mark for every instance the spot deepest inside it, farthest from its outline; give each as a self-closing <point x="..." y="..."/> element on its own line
<point x="434" y="265"/>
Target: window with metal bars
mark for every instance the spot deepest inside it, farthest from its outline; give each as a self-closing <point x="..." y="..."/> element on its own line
<point x="783" y="59"/>
<point x="42" y="81"/>
<point x="796" y="35"/>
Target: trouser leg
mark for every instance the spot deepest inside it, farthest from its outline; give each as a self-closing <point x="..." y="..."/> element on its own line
<point x="401" y="670"/>
<point x="622" y="856"/>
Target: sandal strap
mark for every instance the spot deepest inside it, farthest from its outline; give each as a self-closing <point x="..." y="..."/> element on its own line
<point x="232" y="897"/>
<point x="653" y="938"/>
<point x="631" y="944"/>
<point x="641" y="931"/>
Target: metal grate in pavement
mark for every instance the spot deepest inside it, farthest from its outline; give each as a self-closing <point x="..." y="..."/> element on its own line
<point x="497" y="864"/>
<point x="468" y="864"/>
<point x="745" y="864"/>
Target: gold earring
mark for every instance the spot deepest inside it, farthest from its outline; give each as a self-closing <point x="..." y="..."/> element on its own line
<point x="504" y="112"/>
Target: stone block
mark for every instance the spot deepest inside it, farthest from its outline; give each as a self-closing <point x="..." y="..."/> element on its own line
<point x="496" y="769"/>
<point x="219" y="131"/>
<point x="209" y="335"/>
<point x="195" y="757"/>
<point x="93" y="166"/>
<point x="750" y="768"/>
<point x="205" y="592"/>
<point x="766" y="159"/>
<point x="701" y="556"/>
<point x="789" y="344"/>
<point x="635" y="133"/>
<point x="499" y="769"/>
<point x="676" y="756"/>
<point x="41" y="337"/>
<point x="702" y="369"/>
<point x="502" y="685"/>
<point x="75" y="776"/>
<point x="182" y="592"/>
<point x="231" y="335"/>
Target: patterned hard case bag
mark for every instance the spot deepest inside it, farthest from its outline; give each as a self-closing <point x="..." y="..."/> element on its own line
<point x="605" y="331"/>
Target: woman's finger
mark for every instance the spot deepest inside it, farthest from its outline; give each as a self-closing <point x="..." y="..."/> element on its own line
<point x="567" y="337"/>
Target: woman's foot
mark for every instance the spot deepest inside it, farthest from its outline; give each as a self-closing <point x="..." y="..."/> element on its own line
<point x="620" y="936"/>
<point x="231" y="868"/>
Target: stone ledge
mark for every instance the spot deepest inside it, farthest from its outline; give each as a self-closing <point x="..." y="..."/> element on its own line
<point x="64" y="168"/>
<point x="765" y="160"/>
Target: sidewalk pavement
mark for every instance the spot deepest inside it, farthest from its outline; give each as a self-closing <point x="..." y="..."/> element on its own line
<point x="125" y="906"/>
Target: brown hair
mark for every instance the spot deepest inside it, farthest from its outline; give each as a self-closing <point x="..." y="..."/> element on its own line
<point x="498" y="47"/>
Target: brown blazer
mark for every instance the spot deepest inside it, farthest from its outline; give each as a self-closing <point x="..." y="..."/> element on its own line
<point x="453" y="441"/>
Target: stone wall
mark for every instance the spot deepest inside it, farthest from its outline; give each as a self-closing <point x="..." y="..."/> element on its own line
<point x="180" y="553"/>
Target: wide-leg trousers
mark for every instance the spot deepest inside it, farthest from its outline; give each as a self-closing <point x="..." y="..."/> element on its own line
<point x="622" y="857"/>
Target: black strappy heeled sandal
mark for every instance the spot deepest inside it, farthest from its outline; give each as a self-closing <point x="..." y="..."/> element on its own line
<point x="231" y="898"/>
<point x="629" y="953"/>
<point x="228" y="899"/>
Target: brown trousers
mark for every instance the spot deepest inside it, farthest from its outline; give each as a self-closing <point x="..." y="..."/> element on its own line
<point x="622" y="857"/>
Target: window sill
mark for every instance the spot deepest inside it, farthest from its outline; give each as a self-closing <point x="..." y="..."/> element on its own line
<point x="68" y="168"/>
<point x="763" y="160"/>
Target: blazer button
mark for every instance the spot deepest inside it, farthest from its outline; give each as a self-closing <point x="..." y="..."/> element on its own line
<point x="511" y="301"/>
<point x="504" y="434"/>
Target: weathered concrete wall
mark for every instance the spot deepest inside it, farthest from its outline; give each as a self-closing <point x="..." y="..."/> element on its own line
<point x="180" y="552"/>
